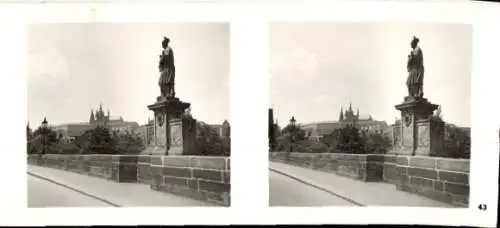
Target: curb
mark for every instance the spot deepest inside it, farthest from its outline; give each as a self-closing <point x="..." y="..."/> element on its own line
<point x="317" y="187"/>
<point x="73" y="189"/>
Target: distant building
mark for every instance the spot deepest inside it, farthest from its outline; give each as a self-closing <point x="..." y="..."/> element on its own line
<point x="346" y="118"/>
<point x="146" y="132"/>
<point x="448" y="126"/>
<point x="72" y="130"/>
<point x="223" y="130"/>
<point x="317" y="129"/>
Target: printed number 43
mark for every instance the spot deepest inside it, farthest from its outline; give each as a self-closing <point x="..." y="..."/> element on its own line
<point x="482" y="207"/>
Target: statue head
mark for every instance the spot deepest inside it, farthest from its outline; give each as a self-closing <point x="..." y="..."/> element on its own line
<point x="414" y="42"/>
<point x="165" y="42"/>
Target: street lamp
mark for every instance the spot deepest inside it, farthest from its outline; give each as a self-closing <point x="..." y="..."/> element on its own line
<point x="45" y="123"/>
<point x="292" y="142"/>
<point x="44" y="134"/>
<point x="292" y="121"/>
<point x="292" y="132"/>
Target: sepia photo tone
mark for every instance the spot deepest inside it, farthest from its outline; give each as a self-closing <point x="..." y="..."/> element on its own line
<point x="370" y="114"/>
<point x="114" y="121"/>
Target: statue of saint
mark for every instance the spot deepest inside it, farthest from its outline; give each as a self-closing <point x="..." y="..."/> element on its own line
<point x="167" y="70"/>
<point x="415" y="67"/>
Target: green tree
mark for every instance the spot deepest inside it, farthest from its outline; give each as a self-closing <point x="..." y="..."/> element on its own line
<point x="312" y="146"/>
<point x="97" y="141"/>
<point x="210" y="143"/>
<point x="376" y="143"/>
<point x="457" y="142"/>
<point x="282" y="144"/>
<point x="332" y="140"/>
<point x="43" y="140"/>
<point x="29" y="135"/>
<point x="35" y="145"/>
<point x="291" y="138"/>
<point x="345" y="140"/>
<point x="274" y="133"/>
<point x="66" y="147"/>
<point x="127" y="143"/>
<point x="82" y="142"/>
<point x="29" y="132"/>
<point x="294" y="132"/>
<point x="350" y="141"/>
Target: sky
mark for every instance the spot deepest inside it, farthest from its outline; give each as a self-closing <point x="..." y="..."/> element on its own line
<point x="75" y="67"/>
<point x="318" y="67"/>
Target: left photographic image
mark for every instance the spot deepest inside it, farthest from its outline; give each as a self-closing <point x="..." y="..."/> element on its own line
<point x="114" y="121"/>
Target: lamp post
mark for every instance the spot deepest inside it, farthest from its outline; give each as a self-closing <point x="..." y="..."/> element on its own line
<point x="44" y="134"/>
<point x="293" y="121"/>
<point x="292" y="131"/>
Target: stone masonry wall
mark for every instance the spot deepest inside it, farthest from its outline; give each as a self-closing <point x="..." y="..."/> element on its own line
<point x="199" y="177"/>
<point x="111" y="167"/>
<point x="143" y="169"/>
<point x="441" y="179"/>
<point x="360" y="167"/>
<point x="203" y="178"/>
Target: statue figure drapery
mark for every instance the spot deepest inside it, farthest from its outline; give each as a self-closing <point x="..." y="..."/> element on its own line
<point x="167" y="70"/>
<point x="415" y="67"/>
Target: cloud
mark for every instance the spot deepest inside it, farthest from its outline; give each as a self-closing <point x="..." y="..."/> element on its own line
<point x="48" y="66"/>
<point x="300" y="63"/>
<point x="322" y="99"/>
<point x="70" y="100"/>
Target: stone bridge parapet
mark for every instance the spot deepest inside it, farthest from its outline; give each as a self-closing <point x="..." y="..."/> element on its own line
<point x="199" y="177"/>
<point x="442" y="179"/>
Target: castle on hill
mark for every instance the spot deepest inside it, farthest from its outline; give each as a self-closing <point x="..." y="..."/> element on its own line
<point x="347" y="117"/>
<point x="70" y="131"/>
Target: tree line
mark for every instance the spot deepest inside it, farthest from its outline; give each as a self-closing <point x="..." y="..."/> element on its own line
<point x="102" y="140"/>
<point x="349" y="139"/>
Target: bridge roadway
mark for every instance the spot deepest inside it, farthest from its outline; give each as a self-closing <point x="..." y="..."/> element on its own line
<point x="42" y="193"/>
<point x="285" y="191"/>
<point x="296" y="186"/>
<point x="49" y="187"/>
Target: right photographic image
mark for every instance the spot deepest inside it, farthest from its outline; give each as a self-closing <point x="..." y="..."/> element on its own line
<point x="369" y="114"/>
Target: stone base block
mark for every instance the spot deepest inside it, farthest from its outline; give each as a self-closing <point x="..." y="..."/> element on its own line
<point x="218" y="198"/>
<point x="154" y="150"/>
<point x="445" y="197"/>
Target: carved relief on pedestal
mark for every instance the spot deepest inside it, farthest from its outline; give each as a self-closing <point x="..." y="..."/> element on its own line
<point x="407" y="130"/>
<point x="160" y="119"/>
<point x="176" y="135"/>
<point x="424" y="135"/>
<point x="160" y="130"/>
<point x="407" y="119"/>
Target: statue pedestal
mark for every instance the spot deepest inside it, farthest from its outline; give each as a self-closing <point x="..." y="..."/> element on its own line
<point x="418" y="133"/>
<point x="174" y="134"/>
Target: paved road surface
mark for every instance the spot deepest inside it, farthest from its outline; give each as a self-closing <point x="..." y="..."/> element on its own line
<point x="117" y="194"/>
<point x="42" y="193"/>
<point x="284" y="191"/>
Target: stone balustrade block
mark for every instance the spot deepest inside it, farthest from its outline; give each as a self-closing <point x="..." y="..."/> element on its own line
<point x="442" y="179"/>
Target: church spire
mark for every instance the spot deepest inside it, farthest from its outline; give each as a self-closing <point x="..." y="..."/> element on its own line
<point x="341" y="115"/>
<point x="92" y="118"/>
<point x="357" y="114"/>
